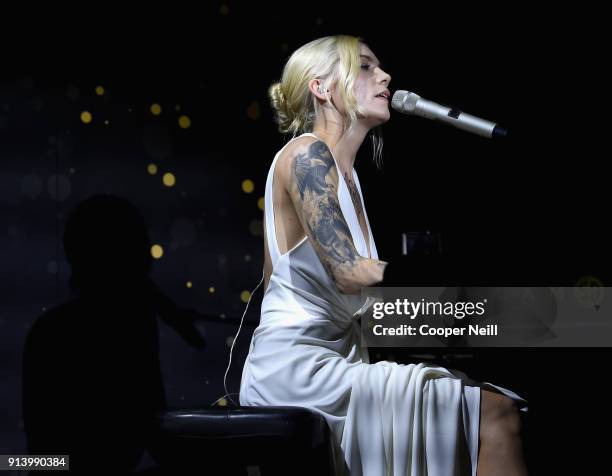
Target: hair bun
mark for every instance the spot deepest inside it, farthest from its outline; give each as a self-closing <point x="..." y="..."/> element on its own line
<point x="276" y="91"/>
<point x="284" y="117"/>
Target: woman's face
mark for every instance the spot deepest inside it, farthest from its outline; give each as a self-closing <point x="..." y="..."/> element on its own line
<point x="371" y="82"/>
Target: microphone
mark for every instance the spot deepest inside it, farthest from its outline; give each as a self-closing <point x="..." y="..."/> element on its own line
<point x="412" y="104"/>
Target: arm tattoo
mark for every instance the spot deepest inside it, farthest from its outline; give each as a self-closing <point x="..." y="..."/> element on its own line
<point x="321" y="209"/>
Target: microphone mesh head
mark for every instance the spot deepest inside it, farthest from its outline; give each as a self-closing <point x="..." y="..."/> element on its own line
<point x="404" y="101"/>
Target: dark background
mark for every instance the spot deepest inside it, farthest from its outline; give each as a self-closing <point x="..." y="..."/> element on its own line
<point x="529" y="210"/>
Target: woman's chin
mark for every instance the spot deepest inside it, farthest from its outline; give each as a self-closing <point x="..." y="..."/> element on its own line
<point x="380" y="119"/>
<point x="376" y="118"/>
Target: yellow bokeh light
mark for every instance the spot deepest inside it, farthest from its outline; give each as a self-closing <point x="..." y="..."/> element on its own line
<point x="245" y="295"/>
<point x="211" y="289"/>
<point x="100" y="91"/>
<point x="156" y="109"/>
<point x="188" y="284"/>
<point x="184" y="122"/>
<point x="152" y="169"/>
<point x="223" y="402"/>
<point x="248" y="186"/>
<point x="261" y="203"/>
<point x="157" y="251"/>
<point x="86" y="117"/>
<point x="169" y="179"/>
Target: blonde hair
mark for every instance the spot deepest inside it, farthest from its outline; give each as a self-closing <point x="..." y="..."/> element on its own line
<point x="334" y="60"/>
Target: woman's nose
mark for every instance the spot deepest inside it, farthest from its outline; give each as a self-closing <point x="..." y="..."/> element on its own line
<point x="385" y="77"/>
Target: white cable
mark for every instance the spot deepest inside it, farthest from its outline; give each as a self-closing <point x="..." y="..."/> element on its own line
<point x="227" y="394"/>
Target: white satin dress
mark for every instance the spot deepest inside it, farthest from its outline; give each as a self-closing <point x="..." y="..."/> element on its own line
<point x="386" y="418"/>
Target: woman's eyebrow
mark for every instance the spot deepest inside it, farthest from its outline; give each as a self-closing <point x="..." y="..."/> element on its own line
<point x="371" y="59"/>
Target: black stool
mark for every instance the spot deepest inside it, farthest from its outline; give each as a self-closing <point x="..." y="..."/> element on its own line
<point x="276" y="440"/>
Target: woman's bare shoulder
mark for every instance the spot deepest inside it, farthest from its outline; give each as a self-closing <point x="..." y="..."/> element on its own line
<point x="298" y="146"/>
<point x="301" y="144"/>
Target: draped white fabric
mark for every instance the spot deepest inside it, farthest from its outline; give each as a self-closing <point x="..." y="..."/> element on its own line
<point x="386" y="418"/>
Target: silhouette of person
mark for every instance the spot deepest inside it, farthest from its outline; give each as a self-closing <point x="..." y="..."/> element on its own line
<point x="92" y="382"/>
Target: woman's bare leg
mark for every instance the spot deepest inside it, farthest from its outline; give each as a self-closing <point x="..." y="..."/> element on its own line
<point x="501" y="449"/>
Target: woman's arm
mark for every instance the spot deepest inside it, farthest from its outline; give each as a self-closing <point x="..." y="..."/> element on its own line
<point x="313" y="187"/>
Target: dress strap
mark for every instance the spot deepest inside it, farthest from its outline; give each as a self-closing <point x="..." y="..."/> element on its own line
<point x="373" y="250"/>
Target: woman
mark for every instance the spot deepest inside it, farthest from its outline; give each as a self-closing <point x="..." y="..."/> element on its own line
<point x="387" y="418"/>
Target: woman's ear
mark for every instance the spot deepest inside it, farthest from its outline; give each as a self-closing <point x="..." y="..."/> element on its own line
<point x="316" y="87"/>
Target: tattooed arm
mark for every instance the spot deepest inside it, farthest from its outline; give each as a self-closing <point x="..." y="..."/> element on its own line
<point x="313" y="188"/>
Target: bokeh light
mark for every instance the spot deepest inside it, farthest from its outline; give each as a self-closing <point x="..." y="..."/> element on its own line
<point x="169" y="179"/>
<point x="184" y="122"/>
<point x="248" y="186"/>
<point x="245" y="295"/>
<point x="152" y="169"/>
<point x="157" y="251"/>
<point x="100" y="91"/>
<point x="156" y="109"/>
<point x="86" y="117"/>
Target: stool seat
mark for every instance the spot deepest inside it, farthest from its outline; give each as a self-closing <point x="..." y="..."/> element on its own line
<point x="281" y="439"/>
